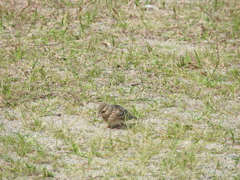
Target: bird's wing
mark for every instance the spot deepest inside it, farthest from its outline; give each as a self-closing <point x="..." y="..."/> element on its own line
<point x="122" y="113"/>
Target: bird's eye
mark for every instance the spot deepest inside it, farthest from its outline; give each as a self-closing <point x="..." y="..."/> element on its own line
<point x="103" y="111"/>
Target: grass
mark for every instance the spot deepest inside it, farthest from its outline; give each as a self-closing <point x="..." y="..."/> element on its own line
<point x="175" y="66"/>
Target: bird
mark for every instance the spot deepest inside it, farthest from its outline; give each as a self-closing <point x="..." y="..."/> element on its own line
<point x="114" y="115"/>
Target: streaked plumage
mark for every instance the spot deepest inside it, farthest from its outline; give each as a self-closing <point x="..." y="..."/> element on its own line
<point x="114" y="115"/>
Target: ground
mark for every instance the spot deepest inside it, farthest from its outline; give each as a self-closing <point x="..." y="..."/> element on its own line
<point x="173" y="64"/>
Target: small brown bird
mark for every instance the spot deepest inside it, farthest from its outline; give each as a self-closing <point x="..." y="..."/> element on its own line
<point x="114" y="115"/>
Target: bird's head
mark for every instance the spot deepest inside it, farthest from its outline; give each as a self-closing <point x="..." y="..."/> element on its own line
<point x="104" y="110"/>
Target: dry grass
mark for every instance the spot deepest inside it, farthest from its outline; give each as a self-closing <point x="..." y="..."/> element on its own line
<point x="174" y="64"/>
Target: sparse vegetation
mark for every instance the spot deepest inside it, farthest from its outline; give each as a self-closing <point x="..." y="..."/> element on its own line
<point x="173" y="64"/>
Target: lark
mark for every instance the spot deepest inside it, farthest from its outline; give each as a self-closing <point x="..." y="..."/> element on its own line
<point x="114" y="115"/>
